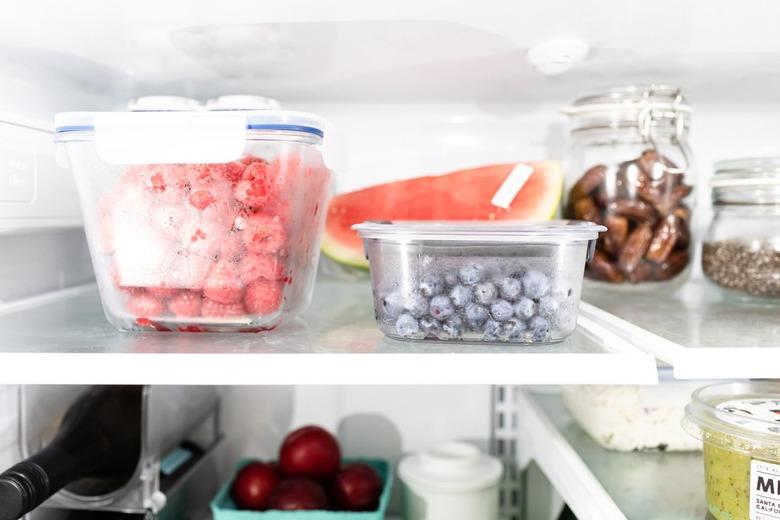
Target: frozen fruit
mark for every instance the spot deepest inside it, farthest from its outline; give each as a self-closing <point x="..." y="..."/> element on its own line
<point x="471" y="273"/>
<point x="186" y="303"/>
<point x="267" y="267"/>
<point x="257" y="187"/>
<point x="263" y="297"/>
<point x="264" y="234"/>
<point x="510" y="288"/>
<point x="213" y="309"/>
<point x="476" y="314"/>
<point x="430" y="326"/>
<point x="451" y="279"/>
<point x="491" y="330"/>
<point x="393" y="304"/>
<point x="501" y="310"/>
<point x="535" y="284"/>
<point x="453" y="327"/>
<point x="222" y="284"/>
<point x="407" y="326"/>
<point x="540" y="328"/>
<point x="548" y="307"/>
<point x="201" y="199"/>
<point x="513" y="328"/>
<point x="485" y="293"/>
<point x="416" y="304"/>
<point x="461" y="295"/>
<point x="431" y="284"/>
<point x="143" y="304"/>
<point x="162" y="293"/>
<point x="524" y="308"/>
<point x="441" y="307"/>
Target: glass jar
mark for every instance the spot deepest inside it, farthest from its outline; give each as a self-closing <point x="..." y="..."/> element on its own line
<point x="630" y="168"/>
<point x="741" y="252"/>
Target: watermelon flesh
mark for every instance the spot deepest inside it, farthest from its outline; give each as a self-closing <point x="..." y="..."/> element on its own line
<point x="460" y="195"/>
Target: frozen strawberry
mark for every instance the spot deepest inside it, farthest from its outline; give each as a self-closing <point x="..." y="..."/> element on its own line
<point x="263" y="297"/>
<point x="162" y="293"/>
<point x="285" y="170"/>
<point x="143" y="304"/>
<point x="249" y="159"/>
<point x="257" y="187"/>
<point x="230" y="172"/>
<point x="201" y="199"/>
<point x="223" y="285"/>
<point x="186" y="303"/>
<point x="211" y="308"/>
<point x="257" y="266"/>
<point x="232" y="248"/>
<point x="264" y="234"/>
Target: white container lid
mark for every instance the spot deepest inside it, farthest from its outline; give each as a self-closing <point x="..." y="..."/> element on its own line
<point x="550" y="231"/>
<point x="243" y="102"/>
<point x="163" y="104"/>
<point x="453" y="466"/>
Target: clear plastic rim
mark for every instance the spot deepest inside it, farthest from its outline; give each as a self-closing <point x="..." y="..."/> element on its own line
<point x="749" y="171"/>
<point x="478" y="231"/>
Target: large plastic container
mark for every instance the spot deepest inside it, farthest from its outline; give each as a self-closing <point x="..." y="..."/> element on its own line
<point x="196" y="220"/>
<point x="478" y="281"/>
<point x="739" y="425"/>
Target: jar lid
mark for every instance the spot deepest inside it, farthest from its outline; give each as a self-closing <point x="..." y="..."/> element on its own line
<point x="453" y="466"/>
<point x="555" y="231"/>
<point x="631" y="97"/>
<point x="163" y="104"/>
<point x="743" y="417"/>
<point x="243" y="102"/>
<point x="754" y="180"/>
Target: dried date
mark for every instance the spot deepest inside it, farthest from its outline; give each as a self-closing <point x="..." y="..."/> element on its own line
<point x="665" y="235"/>
<point x="635" y="248"/>
<point x="601" y="268"/>
<point x="635" y="210"/>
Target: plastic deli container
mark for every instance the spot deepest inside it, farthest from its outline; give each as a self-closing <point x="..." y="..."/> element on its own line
<point x="478" y="281"/>
<point x="223" y="507"/>
<point x="196" y="220"/>
<point x="739" y="425"/>
<point x="453" y="481"/>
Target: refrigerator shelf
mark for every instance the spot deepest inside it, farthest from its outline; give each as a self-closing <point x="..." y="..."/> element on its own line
<point x="64" y="338"/>
<point x="696" y="331"/>
<point x="601" y="484"/>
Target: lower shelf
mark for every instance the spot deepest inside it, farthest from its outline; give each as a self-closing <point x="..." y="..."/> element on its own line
<point x="600" y="484"/>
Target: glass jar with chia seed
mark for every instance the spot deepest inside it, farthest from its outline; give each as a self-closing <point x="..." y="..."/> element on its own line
<point x="630" y="168"/>
<point x="741" y="251"/>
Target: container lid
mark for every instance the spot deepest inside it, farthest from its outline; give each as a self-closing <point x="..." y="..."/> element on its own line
<point x="631" y="97"/>
<point x="453" y="466"/>
<point x="163" y="104"/>
<point x="740" y="416"/>
<point x="479" y="231"/>
<point x="243" y="102"/>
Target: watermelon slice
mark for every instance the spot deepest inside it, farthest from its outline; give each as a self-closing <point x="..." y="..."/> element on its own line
<point x="460" y="195"/>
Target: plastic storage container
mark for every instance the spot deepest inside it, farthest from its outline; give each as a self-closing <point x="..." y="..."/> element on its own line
<point x="630" y="168"/>
<point x="739" y="424"/>
<point x="453" y="481"/>
<point x="223" y="507"/>
<point x="741" y="252"/>
<point x="199" y="221"/>
<point x="479" y="281"/>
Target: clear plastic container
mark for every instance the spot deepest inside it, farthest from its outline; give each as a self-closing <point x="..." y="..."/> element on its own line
<point x="631" y="169"/>
<point x="199" y="221"/>
<point x="741" y="251"/>
<point x="478" y="281"/>
<point x="739" y="425"/>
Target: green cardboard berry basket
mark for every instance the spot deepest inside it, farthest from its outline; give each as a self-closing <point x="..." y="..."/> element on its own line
<point x="223" y="507"/>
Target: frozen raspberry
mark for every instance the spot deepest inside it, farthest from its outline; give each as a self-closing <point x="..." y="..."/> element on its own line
<point x="162" y="293"/>
<point x="231" y="171"/>
<point x="186" y="303"/>
<point x="256" y="187"/>
<point x="264" y="234"/>
<point x="263" y="297"/>
<point x="223" y="285"/>
<point x="143" y="304"/>
<point x="267" y="267"/>
<point x="201" y="199"/>
<point x="249" y="159"/>
<point x="210" y="308"/>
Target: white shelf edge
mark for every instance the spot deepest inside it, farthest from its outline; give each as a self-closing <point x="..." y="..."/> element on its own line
<point x="558" y="460"/>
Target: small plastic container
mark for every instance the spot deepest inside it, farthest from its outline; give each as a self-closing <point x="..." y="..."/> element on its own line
<point x="199" y="220"/>
<point x="223" y="507"/>
<point x="739" y="425"/>
<point x="453" y="481"/>
<point x="514" y="282"/>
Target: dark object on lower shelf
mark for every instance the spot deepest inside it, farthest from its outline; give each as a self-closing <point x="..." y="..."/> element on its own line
<point x="566" y="514"/>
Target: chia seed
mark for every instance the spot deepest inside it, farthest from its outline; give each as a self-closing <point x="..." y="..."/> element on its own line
<point x="748" y="267"/>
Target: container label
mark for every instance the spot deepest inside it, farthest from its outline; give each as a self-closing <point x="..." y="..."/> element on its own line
<point x="759" y="414"/>
<point x="764" y="490"/>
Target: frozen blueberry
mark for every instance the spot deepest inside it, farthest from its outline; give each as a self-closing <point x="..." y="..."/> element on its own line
<point x="430" y="327"/>
<point x="441" y="307"/>
<point x="461" y="295"/>
<point x="431" y="284"/>
<point x="393" y="304"/>
<point x="540" y="328"/>
<point x="471" y="273"/>
<point x="416" y="304"/>
<point x="476" y="314"/>
<point x="548" y="307"/>
<point x="535" y="284"/>
<point x="501" y="310"/>
<point x="451" y="279"/>
<point x="485" y="293"/>
<point x="491" y="330"/>
<point x="510" y="288"/>
<point x="453" y="327"/>
<point x="406" y="326"/>
<point x="524" y="308"/>
<point x="513" y="328"/>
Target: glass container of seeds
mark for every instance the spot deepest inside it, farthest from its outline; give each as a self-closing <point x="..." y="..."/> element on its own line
<point x="630" y="168"/>
<point x="741" y="251"/>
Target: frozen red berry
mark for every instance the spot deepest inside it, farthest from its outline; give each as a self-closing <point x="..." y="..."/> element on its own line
<point x="161" y="293"/>
<point x="186" y="303"/>
<point x="201" y="199"/>
<point x="223" y="283"/>
<point x="258" y="266"/>
<point x="263" y="297"/>
<point x="143" y="304"/>
<point x="264" y="233"/>
<point x="211" y="308"/>
<point x="257" y="186"/>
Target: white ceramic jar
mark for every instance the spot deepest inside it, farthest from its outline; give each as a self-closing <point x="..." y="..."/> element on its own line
<point x="452" y="481"/>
